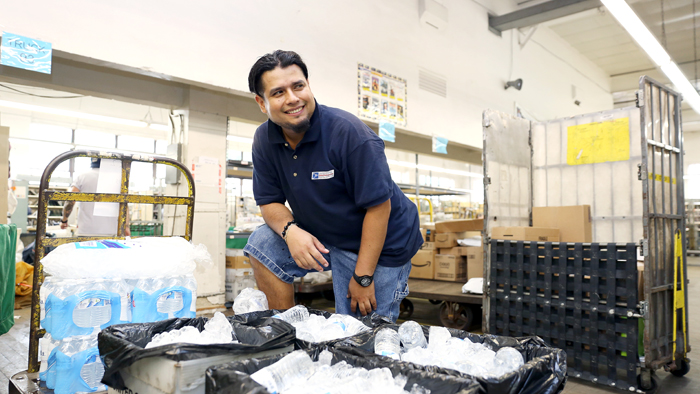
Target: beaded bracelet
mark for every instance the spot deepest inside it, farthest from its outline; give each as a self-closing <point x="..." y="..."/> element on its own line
<point x="284" y="232"/>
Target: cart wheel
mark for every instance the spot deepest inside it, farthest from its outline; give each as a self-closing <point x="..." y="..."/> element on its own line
<point x="304" y="299"/>
<point x="405" y="309"/>
<point x="683" y="369"/>
<point x="435" y="302"/>
<point x="456" y="315"/>
<point x="654" y="385"/>
<point x="329" y="295"/>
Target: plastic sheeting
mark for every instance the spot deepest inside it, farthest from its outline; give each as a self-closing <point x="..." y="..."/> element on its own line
<point x="235" y="377"/>
<point x="370" y="321"/>
<point x="544" y="370"/>
<point x="124" y="344"/>
<point x="8" y="244"/>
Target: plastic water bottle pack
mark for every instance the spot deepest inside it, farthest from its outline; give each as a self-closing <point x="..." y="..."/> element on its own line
<point x="160" y="298"/>
<point x="446" y="351"/>
<point x="216" y="330"/>
<point x="83" y="307"/>
<point x="316" y="328"/>
<point x="73" y="365"/>
<point x="296" y="373"/>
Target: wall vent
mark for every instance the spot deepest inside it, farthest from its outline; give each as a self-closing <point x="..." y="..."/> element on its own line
<point x="433" y="83"/>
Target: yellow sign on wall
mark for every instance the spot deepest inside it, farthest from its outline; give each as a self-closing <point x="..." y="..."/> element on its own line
<point x="598" y="142"/>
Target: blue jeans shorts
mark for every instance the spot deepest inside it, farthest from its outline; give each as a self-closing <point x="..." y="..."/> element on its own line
<point x="390" y="283"/>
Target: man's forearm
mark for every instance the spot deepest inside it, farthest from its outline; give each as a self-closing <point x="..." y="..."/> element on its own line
<point x="67" y="209"/>
<point x="276" y="216"/>
<point x="374" y="229"/>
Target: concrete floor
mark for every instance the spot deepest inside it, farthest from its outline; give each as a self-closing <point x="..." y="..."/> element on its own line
<point x="14" y="344"/>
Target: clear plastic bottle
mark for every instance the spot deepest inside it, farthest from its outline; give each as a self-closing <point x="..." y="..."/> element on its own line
<point x="295" y="314"/>
<point x="289" y="371"/>
<point x="411" y="334"/>
<point x="386" y="343"/>
<point x="46" y="345"/>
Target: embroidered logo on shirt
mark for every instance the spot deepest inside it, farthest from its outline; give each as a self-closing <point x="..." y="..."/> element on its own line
<point x="322" y="175"/>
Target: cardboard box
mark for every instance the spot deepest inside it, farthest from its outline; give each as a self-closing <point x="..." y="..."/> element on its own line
<point x="237" y="262"/>
<point x="573" y="222"/>
<point x="457" y="251"/>
<point x="448" y="240"/>
<point x="450" y="268"/>
<point x="458" y="226"/>
<point x="475" y="262"/>
<point x="541" y="234"/>
<point x="423" y="265"/>
<point x="428" y="246"/>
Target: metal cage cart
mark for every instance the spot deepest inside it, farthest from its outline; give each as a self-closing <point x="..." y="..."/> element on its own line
<point x="627" y="164"/>
<point x="28" y="381"/>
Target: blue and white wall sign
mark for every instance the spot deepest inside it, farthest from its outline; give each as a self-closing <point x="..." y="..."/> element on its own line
<point x="440" y="145"/>
<point x="24" y="52"/>
<point x="387" y="131"/>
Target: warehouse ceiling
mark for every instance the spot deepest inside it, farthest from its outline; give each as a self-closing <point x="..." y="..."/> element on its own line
<point x="589" y="28"/>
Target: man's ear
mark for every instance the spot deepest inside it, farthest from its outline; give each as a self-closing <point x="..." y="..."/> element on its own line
<point x="261" y="104"/>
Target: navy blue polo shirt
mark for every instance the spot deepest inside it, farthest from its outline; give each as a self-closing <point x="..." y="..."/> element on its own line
<point x="336" y="172"/>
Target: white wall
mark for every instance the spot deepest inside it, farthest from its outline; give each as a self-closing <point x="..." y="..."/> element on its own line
<point x="216" y="42"/>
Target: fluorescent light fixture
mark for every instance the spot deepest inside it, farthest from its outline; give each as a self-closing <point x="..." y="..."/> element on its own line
<point x="235" y="138"/>
<point x="81" y="115"/>
<point x="634" y="26"/>
<point x="160" y="127"/>
<point x="433" y="168"/>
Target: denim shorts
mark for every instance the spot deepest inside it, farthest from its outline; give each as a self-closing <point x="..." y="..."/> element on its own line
<point x="390" y="283"/>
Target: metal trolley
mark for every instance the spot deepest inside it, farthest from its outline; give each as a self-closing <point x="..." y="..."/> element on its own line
<point x="582" y="297"/>
<point x="28" y="381"/>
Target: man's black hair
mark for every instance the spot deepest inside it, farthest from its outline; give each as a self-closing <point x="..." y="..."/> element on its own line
<point x="269" y="62"/>
<point x="95" y="162"/>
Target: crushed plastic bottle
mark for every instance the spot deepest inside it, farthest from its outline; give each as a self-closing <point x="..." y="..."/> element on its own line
<point x="250" y="300"/>
<point x="217" y="330"/>
<point x="411" y="334"/>
<point x="465" y="356"/>
<point x="387" y="343"/>
<point x="295" y="314"/>
<point x="296" y="374"/>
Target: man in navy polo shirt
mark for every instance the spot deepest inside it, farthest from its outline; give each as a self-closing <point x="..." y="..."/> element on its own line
<point x="346" y="213"/>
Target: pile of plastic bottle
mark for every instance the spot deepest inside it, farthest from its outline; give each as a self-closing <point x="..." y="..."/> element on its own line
<point x="443" y="350"/>
<point x="217" y="330"/>
<point x="316" y="328"/>
<point x="297" y="373"/>
<point x="75" y="308"/>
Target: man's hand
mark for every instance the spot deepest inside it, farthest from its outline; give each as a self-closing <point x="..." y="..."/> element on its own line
<point x="64" y="225"/>
<point x="306" y="249"/>
<point x="361" y="298"/>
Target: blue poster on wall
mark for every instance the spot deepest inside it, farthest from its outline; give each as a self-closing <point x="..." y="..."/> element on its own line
<point x="26" y="53"/>
<point x="440" y="145"/>
<point x="387" y="131"/>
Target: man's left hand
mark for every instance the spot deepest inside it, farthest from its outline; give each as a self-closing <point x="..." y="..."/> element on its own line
<point x="361" y="298"/>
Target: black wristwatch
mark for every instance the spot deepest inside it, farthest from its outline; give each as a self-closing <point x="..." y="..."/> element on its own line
<point x="364" y="281"/>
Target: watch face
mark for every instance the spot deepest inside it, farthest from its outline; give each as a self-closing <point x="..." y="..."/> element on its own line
<point x="365" y="282"/>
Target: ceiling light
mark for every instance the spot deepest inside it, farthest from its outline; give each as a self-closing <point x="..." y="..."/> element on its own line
<point x="235" y="138"/>
<point x="160" y="127"/>
<point x="634" y="26"/>
<point x="80" y="115"/>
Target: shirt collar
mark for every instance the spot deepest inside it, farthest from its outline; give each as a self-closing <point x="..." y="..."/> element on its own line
<point x="276" y="135"/>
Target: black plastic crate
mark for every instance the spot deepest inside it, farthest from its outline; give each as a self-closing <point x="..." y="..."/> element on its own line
<point x="579" y="297"/>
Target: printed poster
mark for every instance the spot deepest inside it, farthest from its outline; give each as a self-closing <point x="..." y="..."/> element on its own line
<point x="381" y="96"/>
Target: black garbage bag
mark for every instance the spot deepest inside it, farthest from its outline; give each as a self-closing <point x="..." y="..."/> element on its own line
<point x="373" y="320"/>
<point x="123" y="344"/>
<point x="235" y="377"/>
<point x="544" y="370"/>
